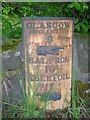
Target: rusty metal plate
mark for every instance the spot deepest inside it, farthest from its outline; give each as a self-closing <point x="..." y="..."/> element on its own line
<point x="48" y="58"/>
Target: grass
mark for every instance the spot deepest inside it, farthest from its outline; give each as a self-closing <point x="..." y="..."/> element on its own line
<point x="78" y="104"/>
<point x="30" y="106"/>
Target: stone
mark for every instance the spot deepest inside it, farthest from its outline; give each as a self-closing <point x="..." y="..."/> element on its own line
<point x="80" y="58"/>
<point x="12" y="73"/>
<point x="11" y="60"/>
<point x="88" y="91"/>
<point x="17" y="54"/>
<point x="11" y="87"/>
<point x="84" y="77"/>
<point x="81" y="44"/>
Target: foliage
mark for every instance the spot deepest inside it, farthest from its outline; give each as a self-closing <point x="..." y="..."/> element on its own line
<point x="30" y="107"/>
<point x="79" y="107"/>
<point x="10" y="44"/>
<point x="12" y="12"/>
<point x="81" y="21"/>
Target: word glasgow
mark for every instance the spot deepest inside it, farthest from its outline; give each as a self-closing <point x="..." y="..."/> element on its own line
<point x="47" y="25"/>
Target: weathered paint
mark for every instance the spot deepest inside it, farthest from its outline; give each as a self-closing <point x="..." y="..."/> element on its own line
<point x="48" y="43"/>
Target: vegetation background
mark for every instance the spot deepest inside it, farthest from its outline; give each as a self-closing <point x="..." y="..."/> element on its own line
<point x="12" y="13"/>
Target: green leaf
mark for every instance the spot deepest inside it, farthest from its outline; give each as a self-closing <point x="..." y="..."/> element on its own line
<point x="70" y="5"/>
<point x="75" y="5"/>
<point x="84" y="27"/>
<point x="85" y="7"/>
<point x="76" y="20"/>
<point x="77" y="27"/>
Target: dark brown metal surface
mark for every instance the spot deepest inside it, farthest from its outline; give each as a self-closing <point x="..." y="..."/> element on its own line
<point x="48" y="50"/>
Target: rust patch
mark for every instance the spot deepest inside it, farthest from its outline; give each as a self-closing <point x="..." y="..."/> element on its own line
<point x="48" y="58"/>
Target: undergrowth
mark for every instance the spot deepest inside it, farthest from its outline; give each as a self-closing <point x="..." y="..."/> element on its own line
<point x="30" y="106"/>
